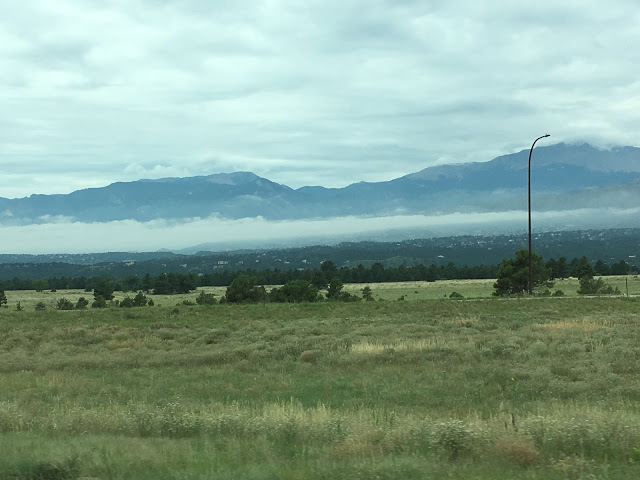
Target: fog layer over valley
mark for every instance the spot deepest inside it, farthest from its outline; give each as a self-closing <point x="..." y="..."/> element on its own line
<point x="64" y="236"/>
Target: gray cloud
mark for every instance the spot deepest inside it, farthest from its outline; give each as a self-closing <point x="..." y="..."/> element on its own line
<point x="319" y="92"/>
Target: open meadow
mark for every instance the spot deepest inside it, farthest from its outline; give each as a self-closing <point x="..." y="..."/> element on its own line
<point x="429" y="387"/>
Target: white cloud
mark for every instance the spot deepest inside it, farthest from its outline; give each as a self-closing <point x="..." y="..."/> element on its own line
<point x="65" y="236"/>
<point x="322" y="92"/>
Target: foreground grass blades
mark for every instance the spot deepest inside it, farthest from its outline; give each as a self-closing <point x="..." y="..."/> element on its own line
<point x="529" y="388"/>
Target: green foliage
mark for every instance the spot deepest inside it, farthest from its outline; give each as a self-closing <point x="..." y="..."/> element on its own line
<point x="294" y="292"/>
<point x="244" y="290"/>
<point x="18" y="307"/>
<point x="456" y="295"/>
<point x="126" y="302"/>
<point x="367" y="294"/>
<point x="140" y="300"/>
<point x="99" y="302"/>
<point x="591" y="286"/>
<point x="64" y="304"/>
<point x="82" y="303"/>
<point x="175" y="283"/>
<point x="39" y="285"/>
<point x="513" y="274"/>
<point x="620" y="268"/>
<point x="206" y="298"/>
<point x="68" y="469"/>
<point x="103" y="289"/>
<point x="581" y="267"/>
<point x="319" y="280"/>
<point x="334" y="290"/>
<point x="3" y="298"/>
<point x="40" y="306"/>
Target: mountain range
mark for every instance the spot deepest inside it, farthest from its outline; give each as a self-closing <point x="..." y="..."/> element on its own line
<point x="564" y="177"/>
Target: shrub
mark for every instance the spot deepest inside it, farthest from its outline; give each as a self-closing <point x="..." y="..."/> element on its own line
<point x="82" y="303"/>
<point x="64" y="304"/>
<point x="99" y="302"/>
<point x="367" y="294"/>
<point x="126" y="302"/>
<point x="456" y="295"/>
<point x="454" y="438"/>
<point x="206" y="299"/>
<point x="294" y="291"/>
<point x="40" y="306"/>
<point x="140" y="300"/>
<point x="244" y="289"/>
<point x="591" y="286"/>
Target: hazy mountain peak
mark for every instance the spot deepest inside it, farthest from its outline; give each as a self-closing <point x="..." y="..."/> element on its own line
<point x="234" y="178"/>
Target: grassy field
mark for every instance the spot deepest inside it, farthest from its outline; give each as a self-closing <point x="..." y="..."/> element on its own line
<point x="544" y="388"/>
<point x="469" y="289"/>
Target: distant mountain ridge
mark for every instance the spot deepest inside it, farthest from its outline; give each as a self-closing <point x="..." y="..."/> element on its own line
<point x="563" y="177"/>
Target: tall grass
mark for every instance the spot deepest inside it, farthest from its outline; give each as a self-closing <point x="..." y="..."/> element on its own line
<point x="542" y="388"/>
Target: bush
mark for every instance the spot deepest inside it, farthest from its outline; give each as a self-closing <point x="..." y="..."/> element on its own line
<point x="206" y="299"/>
<point x="456" y="295"/>
<point x="82" y="303"/>
<point x="293" y="292"/>
<point x="99" y="302"/>
<point x="126" y="302"/>
<point x="64" y="304"/>
<point x="40" y="306"/>
<point x="454" y="438"/>
<point x="243" y="289"/>
<point x="591" y="286"/>
<point x="367" y="294"/>
<point x="140" y="300"/>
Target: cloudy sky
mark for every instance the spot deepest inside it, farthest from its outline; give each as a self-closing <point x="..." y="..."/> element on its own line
<point x="310" y="92"/>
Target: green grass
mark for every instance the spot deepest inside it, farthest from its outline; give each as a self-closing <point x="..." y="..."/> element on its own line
<point x="488" y="388"/>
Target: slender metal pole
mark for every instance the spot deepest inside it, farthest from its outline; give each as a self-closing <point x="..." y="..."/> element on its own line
<point x="529" y="197"/>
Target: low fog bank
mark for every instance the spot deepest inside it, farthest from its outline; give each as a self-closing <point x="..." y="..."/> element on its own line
<point x="188" y="236"/>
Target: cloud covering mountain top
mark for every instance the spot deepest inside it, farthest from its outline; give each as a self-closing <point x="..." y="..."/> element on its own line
<point x="314" y="93"/>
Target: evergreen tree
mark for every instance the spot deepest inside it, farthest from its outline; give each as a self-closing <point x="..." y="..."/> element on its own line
<point x="244" y="290"/>
<point x="513" y="274"/>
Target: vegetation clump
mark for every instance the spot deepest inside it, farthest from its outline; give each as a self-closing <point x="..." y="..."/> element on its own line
<point x="206" y="299"/>
<point x="64" y="304"/>
<point x="244" y="289"/>
<point x="592" y="286"/>
<point x="295" y="291"/>
<point x="513" y="274"/>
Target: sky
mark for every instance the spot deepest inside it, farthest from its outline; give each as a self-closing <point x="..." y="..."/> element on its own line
<point x="314" y="92"/>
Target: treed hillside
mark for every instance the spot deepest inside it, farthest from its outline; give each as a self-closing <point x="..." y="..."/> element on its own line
<point x="609" y="246"/>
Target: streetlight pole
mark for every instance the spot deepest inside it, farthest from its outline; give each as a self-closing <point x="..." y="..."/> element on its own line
<point x="529" y="197"/>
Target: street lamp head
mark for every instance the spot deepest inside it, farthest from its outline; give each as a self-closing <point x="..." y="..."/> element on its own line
<point x="547" y="135"/>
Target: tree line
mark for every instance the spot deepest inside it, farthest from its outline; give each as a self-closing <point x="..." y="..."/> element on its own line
<point x="177" y="283"/>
